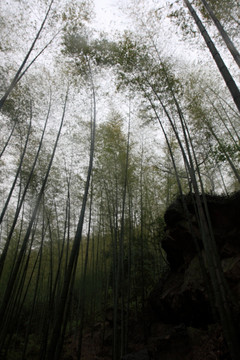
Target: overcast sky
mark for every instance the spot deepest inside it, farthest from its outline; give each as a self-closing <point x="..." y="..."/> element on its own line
<point x="108" y="14"/>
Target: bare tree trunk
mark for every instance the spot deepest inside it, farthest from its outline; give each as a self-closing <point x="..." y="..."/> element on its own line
<point x="56" y="340"/>
<point x="19" y="206"/>
<point x="121" y="240"/>
<point x="17" y="172"/>
<point x="231" y="47"/>
<point x="17" y="76"/>
<point x="82" y="290"/>
<point x="15" y="271"/>
<point x="8" y="139"/>
<point x="216" y="56"/>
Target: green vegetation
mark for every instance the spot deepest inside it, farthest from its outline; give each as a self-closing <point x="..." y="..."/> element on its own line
<point x="95" y="143"/>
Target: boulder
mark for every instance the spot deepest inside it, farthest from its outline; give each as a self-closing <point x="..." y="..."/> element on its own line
<point x="182" y="229"/>
<point x="180" y="302"/>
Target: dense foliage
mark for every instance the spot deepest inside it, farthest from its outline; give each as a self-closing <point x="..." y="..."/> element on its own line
<point x="100" y="132"/>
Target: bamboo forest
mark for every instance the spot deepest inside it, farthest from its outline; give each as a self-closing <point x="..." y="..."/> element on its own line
<point x="119" y="180"/>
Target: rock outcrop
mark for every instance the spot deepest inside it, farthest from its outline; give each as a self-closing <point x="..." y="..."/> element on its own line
<point x="224" y="213"/>
<point x="181" y="303"/>
<point x="180" y="319"/>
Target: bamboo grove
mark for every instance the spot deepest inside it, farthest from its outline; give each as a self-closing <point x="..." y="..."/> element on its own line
<point x="83" y="184"/>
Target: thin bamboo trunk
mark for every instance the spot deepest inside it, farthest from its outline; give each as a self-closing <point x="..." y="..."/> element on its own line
<point x="21" y="199"/>
<point x="55" y="345"/>
<point x="18" y="74"/>
<point x="17" y="265"/>
<point x="231" y="47"/>
<point x="8" y="139"/>
<point x="18" y="171"/>
<point x="216" y="56"/>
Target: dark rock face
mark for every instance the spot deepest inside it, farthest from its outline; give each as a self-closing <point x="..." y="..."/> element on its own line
<point x="180" y="303"/>
<point x="179" y="243"/>
<point x="182" y="299"/>
<point x="140" y="355"/>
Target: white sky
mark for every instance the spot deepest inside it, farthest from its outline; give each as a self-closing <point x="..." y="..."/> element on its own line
<point x="108" y="15"/>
